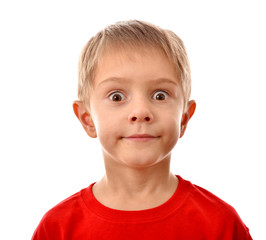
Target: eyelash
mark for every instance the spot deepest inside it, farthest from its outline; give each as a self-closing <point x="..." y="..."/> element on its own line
<point x="122" y="95"/>
<point x="166" y="94"/>
<point x="116" y="93"/>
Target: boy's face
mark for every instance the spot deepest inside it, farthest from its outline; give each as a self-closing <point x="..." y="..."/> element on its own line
<point x="136" y="107"/>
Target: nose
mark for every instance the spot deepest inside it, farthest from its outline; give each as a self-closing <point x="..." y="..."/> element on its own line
<point x="141" y="114"/>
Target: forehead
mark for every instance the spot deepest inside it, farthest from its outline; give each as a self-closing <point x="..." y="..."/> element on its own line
<point x="144" y="63"/>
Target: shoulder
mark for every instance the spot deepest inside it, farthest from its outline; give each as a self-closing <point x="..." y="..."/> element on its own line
<point x="62" y="208"/>
<point x="62" y="216"/>
<point x="207" y="199"/>
<point x="203" y="198"/>
<point x="211" y="210"/>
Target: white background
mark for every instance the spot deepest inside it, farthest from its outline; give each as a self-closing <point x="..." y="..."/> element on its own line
<point x="45" y="154"/>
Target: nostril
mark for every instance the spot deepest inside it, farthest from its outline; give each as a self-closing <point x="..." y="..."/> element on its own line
<point x="134" y="119"/>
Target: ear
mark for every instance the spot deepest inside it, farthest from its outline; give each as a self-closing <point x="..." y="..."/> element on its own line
<point x="85" y="118"/>
<point x="187" y="115"/>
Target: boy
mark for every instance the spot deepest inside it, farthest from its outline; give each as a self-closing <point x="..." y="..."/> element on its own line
<point x="134" y="90"/>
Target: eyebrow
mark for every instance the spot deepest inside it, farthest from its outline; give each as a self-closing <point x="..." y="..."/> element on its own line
<point x="165" y="80"/>
<point x="153" y="81"/>
<point x="113" y="79"/>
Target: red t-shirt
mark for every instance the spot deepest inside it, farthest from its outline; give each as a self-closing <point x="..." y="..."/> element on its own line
<point x="192" y="213"/>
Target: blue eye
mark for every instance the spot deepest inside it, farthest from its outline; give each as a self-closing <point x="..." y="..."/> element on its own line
<point x="117" y="97"/>
<point x="160" y="95"/>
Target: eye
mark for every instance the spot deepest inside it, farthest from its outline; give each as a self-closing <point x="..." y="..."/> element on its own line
<point x="117" y="97"/>
<point x="160" y="95"/>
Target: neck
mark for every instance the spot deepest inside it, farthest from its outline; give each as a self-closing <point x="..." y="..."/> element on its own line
<point x="128" y="188"/>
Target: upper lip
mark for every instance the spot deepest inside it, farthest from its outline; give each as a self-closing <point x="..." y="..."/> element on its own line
<point x="141" y="136"/>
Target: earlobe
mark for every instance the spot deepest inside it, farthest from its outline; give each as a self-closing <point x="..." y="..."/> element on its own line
<point x="187" y="116"/>
<point x="85" y="118"/>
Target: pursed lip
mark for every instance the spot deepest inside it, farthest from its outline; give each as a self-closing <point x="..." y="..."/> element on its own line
<point x="140" y="137"/>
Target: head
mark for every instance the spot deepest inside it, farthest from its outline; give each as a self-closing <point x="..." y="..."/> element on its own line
<point x="134" y="35"/>
<point x="134" y="90"/>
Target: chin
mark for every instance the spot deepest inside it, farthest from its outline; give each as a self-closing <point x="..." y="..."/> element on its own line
<point x="140" y="165"/>
<point x="142" y="162"/>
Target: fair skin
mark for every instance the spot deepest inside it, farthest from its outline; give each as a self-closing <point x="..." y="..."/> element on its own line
<point x="136" y="109"/>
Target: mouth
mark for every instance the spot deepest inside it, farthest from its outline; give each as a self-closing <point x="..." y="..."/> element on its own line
<point x="141" y="137"/>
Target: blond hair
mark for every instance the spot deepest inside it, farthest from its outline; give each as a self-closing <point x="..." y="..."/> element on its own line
<point x="134" y="34"/>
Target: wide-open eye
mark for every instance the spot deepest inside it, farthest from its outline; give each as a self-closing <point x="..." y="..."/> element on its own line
<point x="117" y="97"/>
<point x="160" y="95"/>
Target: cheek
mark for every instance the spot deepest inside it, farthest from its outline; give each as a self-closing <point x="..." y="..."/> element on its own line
<point x="173" y="129"/>
<point x="172" y="126"/>
<point x="104" y="137"/>
<point x="108" y="130"/>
